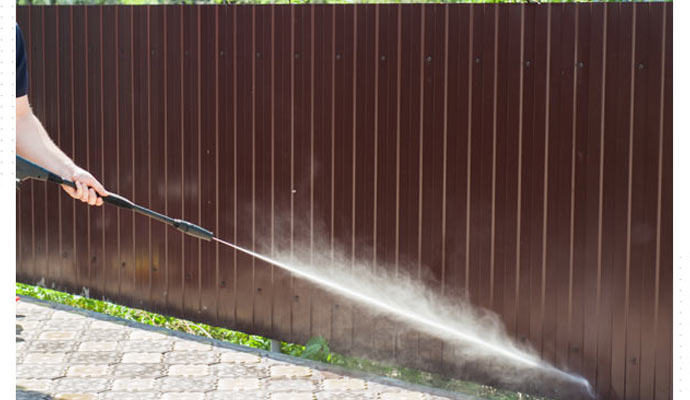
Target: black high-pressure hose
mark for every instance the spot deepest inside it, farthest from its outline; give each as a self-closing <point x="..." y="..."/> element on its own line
<point x="29" y="170"/>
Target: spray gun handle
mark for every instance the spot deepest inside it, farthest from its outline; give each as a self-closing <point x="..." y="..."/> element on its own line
<point x="112" y="198"/>
<point x="118" y="201"/>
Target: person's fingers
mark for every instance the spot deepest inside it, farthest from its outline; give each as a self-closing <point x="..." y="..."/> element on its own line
<point x="70" y="190"/>
<point x="77" y="192"/>
<point x="84" y="192"/>
<point x="99" y="188"/>
<point x="92" y="197"/>
<point x="99" y="201"/>
<point x="93" y="182"/>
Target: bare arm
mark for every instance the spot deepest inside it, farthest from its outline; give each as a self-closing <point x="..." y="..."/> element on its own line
<point x="33" y="143"/>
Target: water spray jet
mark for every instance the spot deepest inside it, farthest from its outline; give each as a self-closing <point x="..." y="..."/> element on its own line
<point x="28" y="170"/>
<point x="516" y="356"/>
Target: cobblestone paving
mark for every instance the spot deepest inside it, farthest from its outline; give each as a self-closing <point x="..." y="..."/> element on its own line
<point x="64" y="353"/>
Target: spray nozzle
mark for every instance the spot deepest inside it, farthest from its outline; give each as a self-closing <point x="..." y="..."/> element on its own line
<point x="193" y="230"/>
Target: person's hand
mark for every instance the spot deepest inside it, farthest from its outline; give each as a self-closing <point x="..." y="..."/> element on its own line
<point x="88" y="190"/>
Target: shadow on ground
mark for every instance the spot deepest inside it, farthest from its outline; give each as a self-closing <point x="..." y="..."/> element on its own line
<point x="19" y="332"/>
<point x="23" y="394"/>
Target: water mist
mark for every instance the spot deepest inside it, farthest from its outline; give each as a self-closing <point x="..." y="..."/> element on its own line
<point x="479" y="332"/>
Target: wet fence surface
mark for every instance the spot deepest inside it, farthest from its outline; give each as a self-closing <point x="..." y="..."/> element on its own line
<point x="520" y="155"/>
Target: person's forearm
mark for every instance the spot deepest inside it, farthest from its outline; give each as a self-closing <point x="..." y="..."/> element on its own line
<point x="34" y="144"/>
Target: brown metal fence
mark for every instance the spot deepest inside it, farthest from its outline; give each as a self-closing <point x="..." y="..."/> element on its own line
<point x="523" y="153"/>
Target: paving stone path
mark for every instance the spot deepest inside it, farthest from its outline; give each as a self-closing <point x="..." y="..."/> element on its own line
<point x="65" y="353"/>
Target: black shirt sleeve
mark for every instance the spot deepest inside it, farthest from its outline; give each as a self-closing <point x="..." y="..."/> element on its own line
<point x="22" y="70"/>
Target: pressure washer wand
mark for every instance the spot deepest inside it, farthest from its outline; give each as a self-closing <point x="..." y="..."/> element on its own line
<point x="29" y="170"/>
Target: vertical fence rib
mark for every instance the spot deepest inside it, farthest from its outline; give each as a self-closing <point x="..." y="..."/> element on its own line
<point x="390" y="206"/>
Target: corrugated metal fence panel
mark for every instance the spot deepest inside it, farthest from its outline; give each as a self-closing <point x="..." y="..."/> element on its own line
<point x="520" y="155"/>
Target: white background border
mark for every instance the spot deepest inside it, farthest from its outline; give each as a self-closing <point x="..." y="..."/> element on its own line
<point x="681" y="201"/>
<point x="8" y="189"/>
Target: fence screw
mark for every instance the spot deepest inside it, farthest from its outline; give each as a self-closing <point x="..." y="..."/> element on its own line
<point x="222" y="52"/>
<point x="528" y="63"/>
<point x="124" y="264"/>
<point x="296" y="55"/>
<point x="580" y="65"/>
<point x="222" y="283"/>
<point x="338" y="56"/>
<point x="186" y="52"/>
<point x="428" y="59"/>
<point x="296" y="298"/>
<point x="640" y="66"/>
<point x="476" y="60"/>
<point x="258" y="289"/>
<point x="258" y="54"/>
<point x="383" y="58"/>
